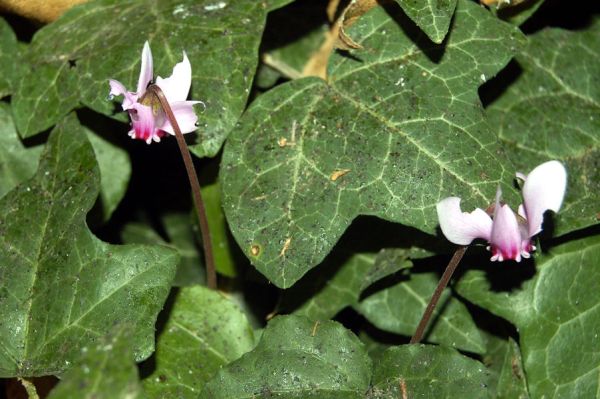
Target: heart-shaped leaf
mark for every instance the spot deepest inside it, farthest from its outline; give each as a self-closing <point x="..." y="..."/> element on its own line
<point x="69" y="64"/>
<point x="61" y="287"/>
<point x="432" y="16"/>
<point x="556" y="314"/>
<point x="10" y="67"/>
<point x="551" y="112"/>
<point x="297" y="358"/>
<point x="380" y="138"/>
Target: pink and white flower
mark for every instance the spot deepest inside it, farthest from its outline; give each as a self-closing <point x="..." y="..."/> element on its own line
<point x="508" y="234"/>
<point x="148" y="120"/>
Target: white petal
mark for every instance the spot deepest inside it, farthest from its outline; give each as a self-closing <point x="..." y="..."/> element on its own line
<point x="177" y="86"/>
<point x="544" y="189"/>
<point x="146" y="69"/>
<point x="185" y="115"/>
<point x="117" y="89"/>
<point x="461" y="227"/>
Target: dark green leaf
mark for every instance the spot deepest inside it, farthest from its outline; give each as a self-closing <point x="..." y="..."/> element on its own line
<point x="507" y="378"/>
<point x="105" y="370"/>
<point x="205" y="331"/>
<point x="297" y="358"/>
<point x="420" y="371"/>
<point x="380" y="138"/>
<point x="557" y="315"/>
<point x="399" y="308"/>
<point x="61" y="287"/>
<point x="518" y="12"/>
<point x="17" y="163"/>
<point x="552" y="111"/>
<point x="432" y="16"/>
<point x="71" y="63"/>
<point x="9" y="59"/>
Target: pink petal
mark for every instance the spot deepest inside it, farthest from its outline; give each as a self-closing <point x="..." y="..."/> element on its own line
<point x="185" y="115"/>
<point x="544" y="189"/>
<point x="505" y="239"/>
<point x="144" y="123"/>
<point x="177" y="86"/>
<point x="117" y="89"/>
<point x="146" y="70"/>
<point x="461" y="227"/>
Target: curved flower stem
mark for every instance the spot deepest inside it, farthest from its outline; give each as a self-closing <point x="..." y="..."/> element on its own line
<point x="437" y="293"/>
<point x="211" y="275"/>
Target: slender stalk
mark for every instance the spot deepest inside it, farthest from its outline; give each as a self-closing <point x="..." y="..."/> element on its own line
<point x="437" y="294"/>
<point x="211" y="275"/>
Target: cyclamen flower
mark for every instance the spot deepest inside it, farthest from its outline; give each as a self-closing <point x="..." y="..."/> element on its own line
<point x="148" y="120"/>
<point x="508" y="234"/>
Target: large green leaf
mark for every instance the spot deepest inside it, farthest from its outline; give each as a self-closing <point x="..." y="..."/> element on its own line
<point x="70" y="64"/>
<point x="9" y="59"/>
<point x="551" y="112"/>
<point x="432" y="16"/>
<point x="205" y="331"/>
<point x="17" y="163"/>
<point x="420" y="371"/>
<point x="61" y="287"/>
<point x="557" y="314"/>
<point x="380" y="138"/>
<point x="297" y="358"/>
<point x="105" y="370"/>
<point x="399" y="308"/>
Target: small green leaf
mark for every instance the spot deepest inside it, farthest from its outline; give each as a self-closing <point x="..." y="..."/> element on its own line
<point x="297" y="358"/>
<point x="397" y="127"/>
<point x="9" y="59"/>
<point x="61" y="287"/>
<point x="432" y="16"/>
<point x="399" y="308"/>
<point x="507" y="378"/>
<point x="205" y="332"/>
<point x="105" y="370"/>
<point x="516" y="13"/>
<point x="421" y="371"/>
<point x="70" y="63"/>
<point x="557" y="315"/>
<point x="17" y="163"/>
<point x="552" y="111"/>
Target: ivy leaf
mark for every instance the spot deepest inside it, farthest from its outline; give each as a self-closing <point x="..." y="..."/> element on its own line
<point x="205" y="331"/>
<point x="421" y="371"/>
<point x="70" y="66"/>
<point x="106" y="370"/>
<point x="398" y="309"/>
<point x="557" y="317"/>
<point x="357" y="272"/>
<point x="9" y="59"/>
<point x="310" y="156"/>
<point x="297" y="358"/>
<point x="180" y="235"/>
<point x="17" y="163"/>
<point x="551" y="112"/>
<point x="61" y="287"/>
<point x="432" y="16"/>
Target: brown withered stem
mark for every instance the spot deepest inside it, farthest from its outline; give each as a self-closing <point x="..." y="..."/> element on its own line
<point x="211" y="275"/>
<point x="437" y="293"/>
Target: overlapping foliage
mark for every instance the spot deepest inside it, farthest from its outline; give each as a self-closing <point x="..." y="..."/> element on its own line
<point x="321" y="194"/>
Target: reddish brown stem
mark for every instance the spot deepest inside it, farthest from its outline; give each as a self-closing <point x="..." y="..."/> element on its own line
<point x="211" y="275"/>
<point x="437" y="294"/>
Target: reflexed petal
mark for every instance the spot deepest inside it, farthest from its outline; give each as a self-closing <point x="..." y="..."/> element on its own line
<point x="544" y="189"/>
<point x="146" y="70"/>
<point x="185" y="115"/>
<point x="177" y="86"/>
<point x="461" y="227"/>
<point x="117" y="89"/>
<point x="505" y="239"/>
